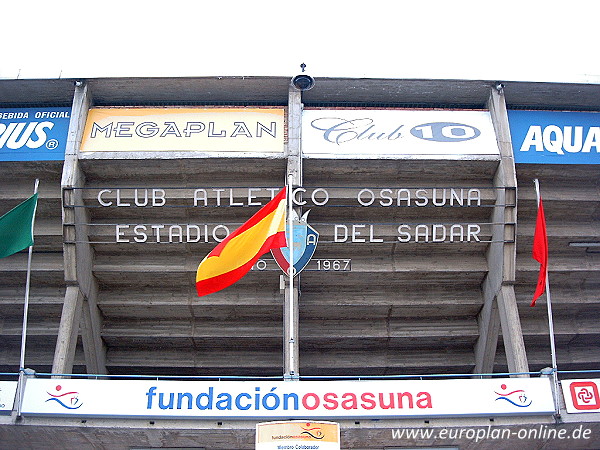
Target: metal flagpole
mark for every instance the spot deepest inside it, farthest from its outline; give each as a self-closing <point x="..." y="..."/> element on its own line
<point x="21" y="382"/>
<point x="550" y="318"/>
<point x="26" y="306"/>
<point x="291" y="302"/>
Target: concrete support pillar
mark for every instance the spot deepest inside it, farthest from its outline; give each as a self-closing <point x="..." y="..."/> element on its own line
<point x="80" y="298"/>
<point x="489" y="329"/>
<point x="294" y="175"/>
<point x="500" y="306"/>
<point x="64" y="353"/>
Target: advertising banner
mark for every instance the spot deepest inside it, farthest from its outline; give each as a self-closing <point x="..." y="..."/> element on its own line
<point x="581" y="396"/>
<point x="211" y="130"/>
<point x="288" y="400"/>
<point x="297" y="435"/>
<point x="398" y="134"/>
<point x="8" y="389"/>
<point x="33" y="134"/>
<point x="552" y="137"/>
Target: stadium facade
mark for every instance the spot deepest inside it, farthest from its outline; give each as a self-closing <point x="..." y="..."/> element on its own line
<point x="410" y="312"/>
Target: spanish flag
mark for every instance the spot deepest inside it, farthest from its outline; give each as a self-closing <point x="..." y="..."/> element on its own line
<point x="232" y="258"/>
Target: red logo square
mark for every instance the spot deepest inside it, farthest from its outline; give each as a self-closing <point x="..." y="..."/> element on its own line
<point x="584" y="395"/>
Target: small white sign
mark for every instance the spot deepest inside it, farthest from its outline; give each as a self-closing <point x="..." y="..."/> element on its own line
<point x="398" y="134"/>
<point x="581" y="396"/>
<point x="8" y="389"/>
<point x="297" y="435"/>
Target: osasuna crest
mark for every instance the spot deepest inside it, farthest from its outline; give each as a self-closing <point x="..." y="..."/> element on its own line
<point x="305" y="243"/>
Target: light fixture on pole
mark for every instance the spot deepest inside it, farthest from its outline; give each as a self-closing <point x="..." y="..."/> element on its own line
<point x="304" y="81"/>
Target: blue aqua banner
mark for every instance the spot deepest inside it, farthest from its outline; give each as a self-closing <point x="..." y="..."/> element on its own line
<point x="551" y="137"/>
<point x="33" y="134"/>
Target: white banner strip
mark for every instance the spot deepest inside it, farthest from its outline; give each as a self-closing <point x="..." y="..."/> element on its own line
<point x="279" y="399"/>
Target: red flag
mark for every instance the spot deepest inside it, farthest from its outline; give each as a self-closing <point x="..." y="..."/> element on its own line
<point x="540" y="251"/>
<point x="231" y="259"/>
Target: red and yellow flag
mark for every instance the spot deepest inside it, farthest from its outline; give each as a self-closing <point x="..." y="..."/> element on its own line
<point x="232" y="258"/>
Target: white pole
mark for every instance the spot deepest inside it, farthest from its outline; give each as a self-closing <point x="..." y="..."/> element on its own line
<point x="27" y="283"/>
<point x="550" y="318"/>
<point x="291" y="309"/>
<point x="21" y="384"/>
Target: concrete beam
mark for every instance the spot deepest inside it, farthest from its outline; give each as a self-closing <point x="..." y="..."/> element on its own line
<point x="499" y="283"/>
<point x="294" y="177"/>
<point x="64" y="353"/>
<point x="78" y="255"/>
<point x="294" y="148"/>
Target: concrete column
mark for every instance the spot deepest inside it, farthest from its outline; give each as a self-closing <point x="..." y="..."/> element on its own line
<point x="489" y="329"/>
<point x="294" y="173"/>
<point x="500" y="306"/>
<point x="78" y="257"/>
<point x="64" y="353"/>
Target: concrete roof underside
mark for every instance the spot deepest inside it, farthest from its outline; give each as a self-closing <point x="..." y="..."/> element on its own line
<point x="274" y="90"/>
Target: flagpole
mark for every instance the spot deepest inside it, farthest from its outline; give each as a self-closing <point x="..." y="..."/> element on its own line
<point x="550" y="317"/>
<point x="27" y="283"/>
<point x="291" y="327"/>
<point x="21" y="383"/>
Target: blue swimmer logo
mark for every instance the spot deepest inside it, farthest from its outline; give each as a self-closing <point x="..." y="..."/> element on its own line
<point x="516" y="397"/>
<point x="68" y="400"/>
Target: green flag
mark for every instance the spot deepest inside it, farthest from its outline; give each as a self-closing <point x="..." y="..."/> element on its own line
<point x="16" y="227"/>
